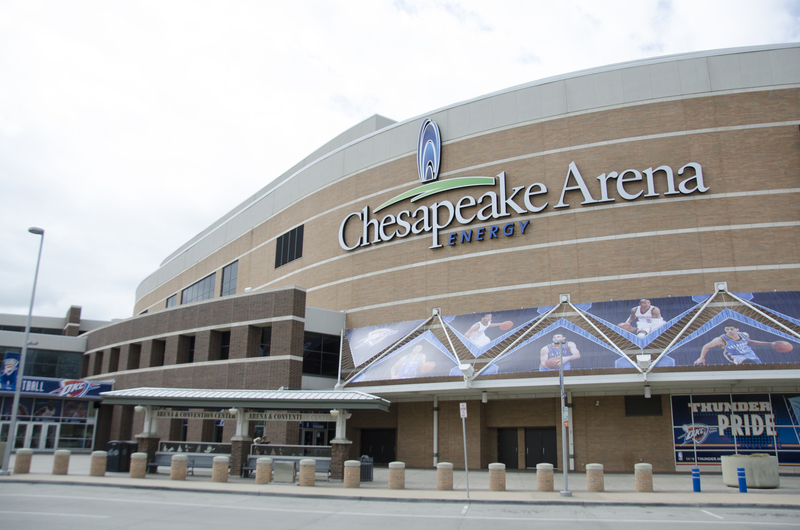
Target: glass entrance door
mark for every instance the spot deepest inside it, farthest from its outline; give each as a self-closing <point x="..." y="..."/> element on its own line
<point x="32" y="435"/>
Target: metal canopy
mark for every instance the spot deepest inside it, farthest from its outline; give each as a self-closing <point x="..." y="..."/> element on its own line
<point x="247" y="399"/>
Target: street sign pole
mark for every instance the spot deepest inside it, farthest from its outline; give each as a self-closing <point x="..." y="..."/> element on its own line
<point x="463" y="409"/>
<point x="564" y="420"/>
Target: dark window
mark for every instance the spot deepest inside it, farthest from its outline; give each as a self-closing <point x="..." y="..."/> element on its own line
<point x="289" y="247"/>
<point x="225" y="345"/>
<point x="229" y="274"/>
<point x="202" y="290"/>
<point x="642" y="406"/>
<point x="320" y="354"/>
<point x="266" y="338"/>
<point x="172" y="300"/>
<point x="52" y="363"/>
<point x="191" y="350"/>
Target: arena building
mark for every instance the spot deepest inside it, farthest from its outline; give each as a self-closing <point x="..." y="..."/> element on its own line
<point x="636" y="222"/>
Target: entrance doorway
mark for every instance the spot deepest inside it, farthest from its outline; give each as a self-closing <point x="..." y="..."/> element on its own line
<point x="379" y="444"/>
<point x="540" y="447"/>
<point x="38" y="436"/>
<point x="316" y="435"/>
<point x="508" y="448"/>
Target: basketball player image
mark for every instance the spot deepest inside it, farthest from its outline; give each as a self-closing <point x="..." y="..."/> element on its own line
<point x="409" y="365"/>
<point x="647" y="319"/>
<point x="476" y="334"/>
<point x="550" y="355"/>
<point x="735" y="346"/>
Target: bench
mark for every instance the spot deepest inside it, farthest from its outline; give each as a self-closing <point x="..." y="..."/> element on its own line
<point x="204" y="461"/>
<point x="322" y="464"/>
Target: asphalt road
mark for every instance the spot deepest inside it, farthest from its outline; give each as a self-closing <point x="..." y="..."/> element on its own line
<point x="67" y="507"/>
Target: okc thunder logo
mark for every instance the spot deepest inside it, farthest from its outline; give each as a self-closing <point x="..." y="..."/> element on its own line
<point x="697" y="432"/>
<point x="10" y="366"/>
<point x="74" y="389"/>
<point x="376" y="336"/>
<point x="429" y="149"/>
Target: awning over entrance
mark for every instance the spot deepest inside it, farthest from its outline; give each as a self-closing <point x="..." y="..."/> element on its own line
<point x="247" y="399"/>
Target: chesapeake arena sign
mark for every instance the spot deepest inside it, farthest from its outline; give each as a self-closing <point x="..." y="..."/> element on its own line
<point x="500" y="202"/>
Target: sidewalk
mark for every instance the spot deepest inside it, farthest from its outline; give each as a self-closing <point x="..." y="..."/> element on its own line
<point x="669" y="489"/>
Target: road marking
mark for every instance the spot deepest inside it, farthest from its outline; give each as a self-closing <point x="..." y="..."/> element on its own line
<point x="56" y="514"/>
<point x="495" y="518"/>
<point x="712" y="514"/>
<point x="465" y="509"/>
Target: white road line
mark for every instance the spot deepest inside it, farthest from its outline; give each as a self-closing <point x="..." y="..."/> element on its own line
<point x="465" y="509"/>
<point x="712" y="514"/>
<point x="2" y="512"/>
<point x="495" y="518"/>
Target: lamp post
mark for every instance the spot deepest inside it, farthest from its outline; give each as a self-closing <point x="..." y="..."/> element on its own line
<point x="12" y="428"/>
<point x="564" y="416"/>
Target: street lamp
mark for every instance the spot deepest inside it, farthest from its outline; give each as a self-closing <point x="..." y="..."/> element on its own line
<point x="12" y="428"/>
<point x="564" y="415"/>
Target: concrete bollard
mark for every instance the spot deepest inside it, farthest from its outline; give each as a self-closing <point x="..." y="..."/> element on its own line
<point x="594" y="477"/>
<point x="177" y="467"/>
<point x="397" y="475"/>
<point x="263" y="470"/>
<point x="219" y="469"/>
<point x="308" y="470"/>
<point x="97" y="468"/>
<point x="138" y="465"/>
<point x="22" y="463"/>
<point x="444" y="476"/>
<point x="544" y="477"/>
<point x="61" y="462"/>
<point x="644" y="477"/>
<point x="497" y="477"/>
<point x="352" y="473"/>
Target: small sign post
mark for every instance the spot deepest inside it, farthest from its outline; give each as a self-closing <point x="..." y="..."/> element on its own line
<point x="463" y="409"/>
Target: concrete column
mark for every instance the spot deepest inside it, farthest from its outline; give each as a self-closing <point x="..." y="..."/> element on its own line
<point x="644" y="477"/>
<point x="61" y="462"/>
<point x="308" y="467"/>
<point x="497" y="477"/>
<point x="263" y="470"/>
<point x="397" y="475"/>
<point x="544" y="477"/>
<point x="22" y="463"/>
<point x="594" y="477"/>
<point x="177" y="467"/>
<point x="98" y="466"/>
<point x="219" y="471"/>
<point x="352" y="474"/>
<point x="138" y="465"/>
<point x="444" y="476"/>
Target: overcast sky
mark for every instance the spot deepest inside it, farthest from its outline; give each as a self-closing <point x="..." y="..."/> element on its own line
<point x="128" y="127"/>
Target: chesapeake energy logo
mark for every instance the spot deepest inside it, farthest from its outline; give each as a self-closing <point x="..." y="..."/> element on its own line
<point x="499" y="204"/>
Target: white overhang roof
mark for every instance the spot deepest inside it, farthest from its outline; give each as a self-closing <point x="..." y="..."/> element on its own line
<point x="251" y="399"/>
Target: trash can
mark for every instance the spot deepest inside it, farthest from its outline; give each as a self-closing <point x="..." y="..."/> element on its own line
<point x="366" y="468"/>
<point x="119" y="455"/>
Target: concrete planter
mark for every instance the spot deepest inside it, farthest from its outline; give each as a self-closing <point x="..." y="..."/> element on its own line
<point x="760" y="471"/>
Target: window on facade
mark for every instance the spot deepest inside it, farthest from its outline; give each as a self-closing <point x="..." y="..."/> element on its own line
<point x="52" y="363"/>
<point x="266" y="339"/>
<point x="202" y="290"/>
<point x="225" y="345"/>
<point x="642" y="406"/>
<point x="320" y="354"/>
<point x="172" y="300"/>
<point x="229" y="274"/>
<point x="289" y="247"/>
<point x="190" y="356"/>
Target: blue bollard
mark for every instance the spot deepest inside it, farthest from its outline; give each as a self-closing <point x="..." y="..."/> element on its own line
<point x="696" y="479"/>
<point x="742" y="480"/>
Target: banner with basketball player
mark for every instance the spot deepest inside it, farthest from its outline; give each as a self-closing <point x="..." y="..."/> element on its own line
<point x="731" y="338"/>
<point x="562" y="340"/>
<point x="479" y="332"/>
<point x="367" y="342"/>
<point x="424" y="356"/>
<point x="710" y="426"/>
<point x="644" y="320"/>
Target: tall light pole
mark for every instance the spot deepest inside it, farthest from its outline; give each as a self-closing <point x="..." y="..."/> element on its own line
<point x="564" y="416"/>
<point x="12" y="428"/>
